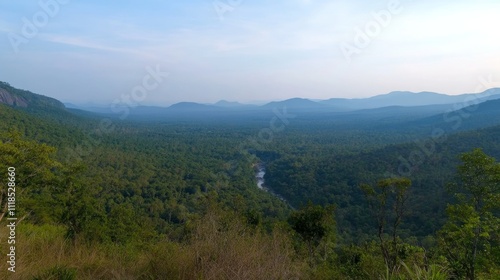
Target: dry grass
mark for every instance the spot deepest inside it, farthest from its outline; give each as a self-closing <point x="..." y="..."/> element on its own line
<point x="41" y="249"/>
<point x="227" y="249"/>
<point x="219" y="248"/>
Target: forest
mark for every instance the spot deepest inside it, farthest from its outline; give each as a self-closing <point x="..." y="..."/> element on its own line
<point x="380" y="193"/>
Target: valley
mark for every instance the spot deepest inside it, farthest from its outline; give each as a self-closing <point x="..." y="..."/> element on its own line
<point x="156" y="177"/>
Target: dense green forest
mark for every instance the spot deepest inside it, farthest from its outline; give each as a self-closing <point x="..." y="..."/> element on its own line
<point x="389" y="193"/>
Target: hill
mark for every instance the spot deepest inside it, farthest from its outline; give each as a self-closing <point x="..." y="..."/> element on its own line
<point x="401" y="106"/>
<point x="134" y="196"/>
<point x="406" y="98"/>
<point x="475" y="116"/>
<point x="25" y="99"/>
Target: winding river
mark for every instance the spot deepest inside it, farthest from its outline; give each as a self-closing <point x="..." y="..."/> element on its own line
<point x="259" y="175"/>
<point x="261" y="171"/>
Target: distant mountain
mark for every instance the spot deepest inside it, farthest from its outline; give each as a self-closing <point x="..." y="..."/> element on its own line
<point x="423" y="109"/>
<point x="396" y="113"/>
<point x="406" y="98"/>
<point x="72" y="106"/>
<point x="475" y="116"/>
<point x="297" y="104"/>
<point x="228" y="104"/>
<point x="191" y="106"/>
<point x="397" y="99"/>
<point x="90" y="106"/>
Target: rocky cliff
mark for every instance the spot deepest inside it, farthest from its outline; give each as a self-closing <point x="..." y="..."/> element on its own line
<point x="12" y="100"/>
<point x="25" y="99"/>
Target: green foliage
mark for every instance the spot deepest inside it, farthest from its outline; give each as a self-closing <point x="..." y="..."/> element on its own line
<point x="360" y="262"/>
<point x="178" y="199"/>
<point x="32" y="160"/>
<point x="35" y="179"/>
<point x="471" y="232"/>
<point x="315" y="225"/>
<point x="388" y="201"/>
<point x="83" y="214"/>
<point x="416" y="272"/>
<point x="312" y="223"/>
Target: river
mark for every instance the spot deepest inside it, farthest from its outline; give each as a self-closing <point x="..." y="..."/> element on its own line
<point x="261" y="171"/>
<point x="259" y="175"/>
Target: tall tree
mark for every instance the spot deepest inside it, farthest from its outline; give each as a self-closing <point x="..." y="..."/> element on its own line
<point x="388" y="202"/>
<point x="473" y="223"/>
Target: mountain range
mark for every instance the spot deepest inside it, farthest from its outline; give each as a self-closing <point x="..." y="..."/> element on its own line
<point x="397" y="98"/>
<point x="395" y="109"/>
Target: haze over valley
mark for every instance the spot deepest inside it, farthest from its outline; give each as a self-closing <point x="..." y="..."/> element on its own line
<point x="301" y="139"/>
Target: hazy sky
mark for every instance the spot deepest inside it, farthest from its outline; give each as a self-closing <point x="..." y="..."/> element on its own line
<point x="241" y="50"/>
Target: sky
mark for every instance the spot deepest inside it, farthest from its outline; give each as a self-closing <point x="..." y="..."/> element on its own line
<point x="154" y="52"/>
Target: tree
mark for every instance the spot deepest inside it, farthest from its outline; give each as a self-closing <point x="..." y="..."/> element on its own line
<point x="34" y="166"/>
<point x="388" y="202"/>
<point x="314" y="224"/>
<point x="81" y="212"/>
<point x="471" y="231"/>
<point x="47" y="190"/>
